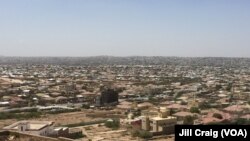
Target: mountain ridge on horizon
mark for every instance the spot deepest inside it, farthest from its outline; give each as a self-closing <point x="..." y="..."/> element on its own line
<point x="129" y="56"/>
<point x="136" y="60"/>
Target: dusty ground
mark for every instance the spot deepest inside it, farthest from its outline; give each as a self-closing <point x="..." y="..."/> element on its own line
<point x="59" y="119"/>
<point x="94" y="132"/>
<point x="68" y="118"/>
<point x="7" y="122"/>
<point x="164" y="138"/>
<point x="10" y="80"/>
<point x="100" y="132"/>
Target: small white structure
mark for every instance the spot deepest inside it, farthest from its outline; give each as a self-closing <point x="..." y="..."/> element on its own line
<point x="42" y="128"/>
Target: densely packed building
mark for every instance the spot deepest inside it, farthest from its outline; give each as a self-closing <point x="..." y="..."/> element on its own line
<point x="198" y="94"/>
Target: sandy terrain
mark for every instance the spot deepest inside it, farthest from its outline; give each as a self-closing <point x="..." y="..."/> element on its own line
<point x="100" y="132"/>
<point x="9" y="80"/>
<point x="94" y="132"/>
<point x="59" y="119"/>
<point x="6" y="122"/>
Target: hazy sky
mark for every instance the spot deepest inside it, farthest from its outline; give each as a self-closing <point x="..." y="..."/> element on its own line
<point x="125" y="27"/>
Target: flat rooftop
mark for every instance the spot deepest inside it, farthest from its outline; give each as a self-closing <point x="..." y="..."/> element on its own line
<point x="159" y="118"/>
<point x="32" y="125"/>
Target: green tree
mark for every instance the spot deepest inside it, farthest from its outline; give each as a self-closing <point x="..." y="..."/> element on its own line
<point x="145" y="134"/>
<point x="142" y="134"/>
<point x="188" y="120"/>
<point x="218" y="116"/>
<point x="204" y="105"/>
<point x="194" y="110"/>
<point x="114" y="124"/>
<point x="241" y="121"/>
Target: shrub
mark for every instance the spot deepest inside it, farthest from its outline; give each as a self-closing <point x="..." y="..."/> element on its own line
<point x="77" y="135"/>
<point x="135" y="133"/>
<point x="241" y="121"/>
<point x="26" y="115"/>
<point x="58" y="111"/>
<point x="194" y="110"/>
<point x="85" y="106"/>
<point x="189" y="120"/>
<point x="217" y="115"/>
<point x="142" y="134"/>
<point x="115" y="124"/>
<point x="84" y="123"/>
<point x="204" y="105"/>
<point x="145" y="134"/>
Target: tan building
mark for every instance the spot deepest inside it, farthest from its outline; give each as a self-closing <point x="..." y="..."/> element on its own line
<point x="161" y="124"/>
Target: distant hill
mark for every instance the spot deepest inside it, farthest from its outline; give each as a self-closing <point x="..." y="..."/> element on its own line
<point x="133" y="60"/>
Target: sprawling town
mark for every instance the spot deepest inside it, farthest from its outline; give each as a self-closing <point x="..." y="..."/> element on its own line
<point x="119" y="100"/>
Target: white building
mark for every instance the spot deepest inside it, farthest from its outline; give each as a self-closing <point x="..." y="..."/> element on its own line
<point x="42" y="128"/>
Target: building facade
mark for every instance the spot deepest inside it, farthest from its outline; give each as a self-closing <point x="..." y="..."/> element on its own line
<point x="161" y="124"/>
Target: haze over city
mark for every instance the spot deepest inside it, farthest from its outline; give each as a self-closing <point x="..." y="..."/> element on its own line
<point x="124" y="70"/>
<point x="125" y="28"/>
